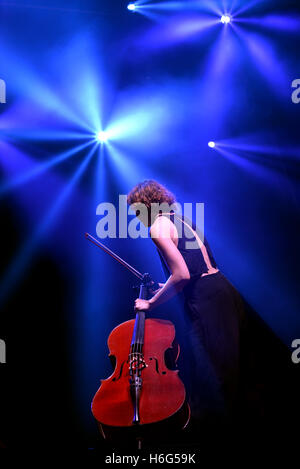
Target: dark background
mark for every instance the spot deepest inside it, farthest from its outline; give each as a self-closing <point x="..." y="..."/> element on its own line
<point x="63" y="298"/>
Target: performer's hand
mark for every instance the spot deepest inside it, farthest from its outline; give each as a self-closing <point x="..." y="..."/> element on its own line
<point x="153" y="292"/>
<point x="142" y="305"/>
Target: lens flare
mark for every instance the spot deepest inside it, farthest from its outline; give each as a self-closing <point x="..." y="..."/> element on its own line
<point x="131" y="7"/>
<point x="102" y="136"/>
<point x="225" y="19"/>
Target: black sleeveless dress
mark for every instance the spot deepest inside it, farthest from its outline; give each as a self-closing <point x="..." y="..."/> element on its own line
<point x="214" y="315"/>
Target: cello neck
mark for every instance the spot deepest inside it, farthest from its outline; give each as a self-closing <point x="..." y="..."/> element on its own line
<point x="138" y="332"/>
<point x="139" y="325"/>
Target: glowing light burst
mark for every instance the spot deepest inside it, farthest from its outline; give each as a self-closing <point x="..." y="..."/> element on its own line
<point x="226" y="19"/>
<point x="211" y="144"/>
<point x="102" y="136"/>
<point x="131" y="7"/>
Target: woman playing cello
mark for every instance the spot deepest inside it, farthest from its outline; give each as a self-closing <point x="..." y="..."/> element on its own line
<point x="214" y="310"/>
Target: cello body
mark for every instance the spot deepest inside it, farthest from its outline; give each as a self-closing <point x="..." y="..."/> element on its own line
<point x="158" y="397"/>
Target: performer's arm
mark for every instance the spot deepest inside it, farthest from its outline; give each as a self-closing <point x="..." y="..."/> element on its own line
<point x="163" y="233"/>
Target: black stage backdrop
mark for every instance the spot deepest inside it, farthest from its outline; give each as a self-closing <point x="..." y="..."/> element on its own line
<point x="46" y="386"/>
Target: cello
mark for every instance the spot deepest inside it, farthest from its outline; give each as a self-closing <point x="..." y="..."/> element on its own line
<point x="144" y="393"/>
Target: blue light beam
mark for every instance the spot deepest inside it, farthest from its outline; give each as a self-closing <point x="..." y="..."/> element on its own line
<point x="38" y="170"/>
<point x="25" y="254"/>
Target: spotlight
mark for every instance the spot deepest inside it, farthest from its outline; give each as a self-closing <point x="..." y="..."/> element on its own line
<point x="131" y="6"/>
<point x="225" y="19"/>
<point x="211" y="144"/>
<point x="101" y="136"/>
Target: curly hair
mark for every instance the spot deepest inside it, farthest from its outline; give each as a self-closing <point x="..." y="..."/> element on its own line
<point x="149" y="192"/>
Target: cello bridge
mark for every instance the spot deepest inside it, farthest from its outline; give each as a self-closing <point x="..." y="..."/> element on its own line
<point x="136" y="362"/>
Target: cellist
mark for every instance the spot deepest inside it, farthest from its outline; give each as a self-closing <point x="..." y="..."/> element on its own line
<point x="213" y="307"/>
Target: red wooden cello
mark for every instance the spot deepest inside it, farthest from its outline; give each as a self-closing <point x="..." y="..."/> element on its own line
<point x="144" y="391"/>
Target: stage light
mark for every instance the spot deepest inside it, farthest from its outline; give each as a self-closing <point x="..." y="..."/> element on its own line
<point x="102" y="136"/>
<point x="225" y="19"/>
<point x="131" y="6"/>
<point x="211" y="144"/>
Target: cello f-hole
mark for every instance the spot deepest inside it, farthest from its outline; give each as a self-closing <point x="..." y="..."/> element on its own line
<point x="156" y="364"/>
<point x="120" y="374"/>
